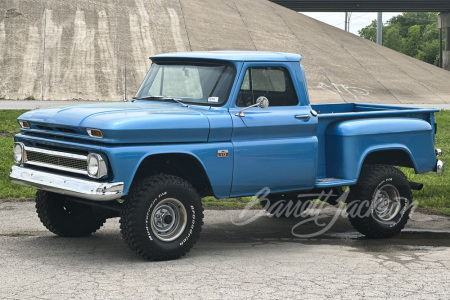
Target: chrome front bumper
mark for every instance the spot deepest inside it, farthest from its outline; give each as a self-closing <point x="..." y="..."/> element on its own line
<point x="70" y="186"/>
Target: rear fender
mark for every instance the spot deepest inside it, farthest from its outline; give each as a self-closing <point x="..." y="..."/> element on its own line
<point x="349" y="143"/>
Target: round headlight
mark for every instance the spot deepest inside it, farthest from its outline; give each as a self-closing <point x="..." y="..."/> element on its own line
<point x="93" y="165"/>
<point x="96" y="166"/>
<point x="18" y="153"/>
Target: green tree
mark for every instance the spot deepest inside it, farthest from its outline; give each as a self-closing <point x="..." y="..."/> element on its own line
<point x="411" y="43"/>
<point x="392" y="38"/>
<point x="369" y="32"/>
<point x="408" y="19"/>
<point x="412" y="33"/>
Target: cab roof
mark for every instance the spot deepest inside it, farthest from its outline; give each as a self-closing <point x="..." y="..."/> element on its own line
<point x="231" y="56"/>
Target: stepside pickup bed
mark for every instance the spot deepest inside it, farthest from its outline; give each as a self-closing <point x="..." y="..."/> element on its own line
<point x="224" y="124"/>
<point x="350" y="134"/>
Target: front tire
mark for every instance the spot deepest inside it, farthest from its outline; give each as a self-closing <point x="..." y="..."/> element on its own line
<point x="380" y="203"/>
<point x="162" y="217"/>
<point x="66" y="218"/>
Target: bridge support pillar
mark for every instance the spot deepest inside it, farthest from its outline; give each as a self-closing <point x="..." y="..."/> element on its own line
<point x="444" y="23"/>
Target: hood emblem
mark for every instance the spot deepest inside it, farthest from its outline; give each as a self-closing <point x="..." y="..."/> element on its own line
<point x="222" y="153"/>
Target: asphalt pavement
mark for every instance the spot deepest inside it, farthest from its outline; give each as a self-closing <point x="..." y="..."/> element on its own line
<point x="260" y="260"/>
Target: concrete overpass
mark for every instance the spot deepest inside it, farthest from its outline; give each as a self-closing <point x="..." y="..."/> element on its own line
<point x="366" y="5"/>
<point x="442" y="6"/>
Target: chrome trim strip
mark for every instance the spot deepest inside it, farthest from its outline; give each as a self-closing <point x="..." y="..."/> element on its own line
<point x="56" y="167"/>
<point x="56" y="153"/>
<point x="75" y="187"/>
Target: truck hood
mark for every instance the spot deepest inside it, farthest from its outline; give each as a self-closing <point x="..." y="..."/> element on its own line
<point x="132" y="122"/>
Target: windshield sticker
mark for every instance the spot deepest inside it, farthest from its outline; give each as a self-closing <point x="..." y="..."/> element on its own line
<point x="213" y="99"/>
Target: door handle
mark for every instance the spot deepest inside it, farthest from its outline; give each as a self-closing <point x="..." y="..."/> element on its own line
<point x="303" y="117"/>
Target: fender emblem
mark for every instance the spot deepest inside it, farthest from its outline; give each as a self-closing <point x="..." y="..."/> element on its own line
<point x="222" y="153"/>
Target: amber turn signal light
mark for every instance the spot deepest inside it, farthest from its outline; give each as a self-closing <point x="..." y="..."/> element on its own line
<point x="95" y="133"/>
<point x="24" y="124"/>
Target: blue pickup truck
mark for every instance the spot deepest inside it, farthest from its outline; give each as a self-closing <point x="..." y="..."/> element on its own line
<point x="222" y="124"/>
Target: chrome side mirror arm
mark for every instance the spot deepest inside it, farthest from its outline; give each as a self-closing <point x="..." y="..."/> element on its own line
<point x="262" y="102"/>
<point x="241" y="112"/>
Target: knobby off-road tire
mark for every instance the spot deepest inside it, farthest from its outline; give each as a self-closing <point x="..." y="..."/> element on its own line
<point x="380" y="203"/>
<point x="66" y="218"/>
<point x="284" y="205"/>
<point x="162" y="217"/>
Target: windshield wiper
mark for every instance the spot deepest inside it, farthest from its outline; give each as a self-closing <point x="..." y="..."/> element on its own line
<point x="162" y="98"/>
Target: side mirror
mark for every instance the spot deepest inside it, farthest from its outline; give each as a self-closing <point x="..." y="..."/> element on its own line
<point x="262" y="102"/>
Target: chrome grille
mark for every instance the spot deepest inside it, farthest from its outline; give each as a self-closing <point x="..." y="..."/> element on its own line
<point x="56" y="160"/>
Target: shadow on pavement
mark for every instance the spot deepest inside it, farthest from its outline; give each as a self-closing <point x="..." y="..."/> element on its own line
<point x="107" y="246"/>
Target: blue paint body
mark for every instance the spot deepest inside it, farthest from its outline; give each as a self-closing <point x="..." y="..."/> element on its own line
<point x="267" y="148"/>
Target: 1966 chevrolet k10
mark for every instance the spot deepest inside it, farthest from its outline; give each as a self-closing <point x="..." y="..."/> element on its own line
<point x="225" y="124"/>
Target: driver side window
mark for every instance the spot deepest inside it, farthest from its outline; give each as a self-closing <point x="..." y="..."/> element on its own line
<point x="275" y="83"/>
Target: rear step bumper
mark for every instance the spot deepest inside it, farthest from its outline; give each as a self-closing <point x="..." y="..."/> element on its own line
<point x="439" y="168"/>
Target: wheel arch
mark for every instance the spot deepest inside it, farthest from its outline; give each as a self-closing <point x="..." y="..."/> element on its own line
<point x="398" y="155"/>
<point x="183" y="165"/>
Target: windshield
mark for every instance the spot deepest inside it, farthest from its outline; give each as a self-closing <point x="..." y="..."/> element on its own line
<point x="207" y="84"/>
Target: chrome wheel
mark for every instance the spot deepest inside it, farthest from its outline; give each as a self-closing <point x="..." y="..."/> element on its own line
<point x="168" y="219"/>
<point x="386" y="203"/>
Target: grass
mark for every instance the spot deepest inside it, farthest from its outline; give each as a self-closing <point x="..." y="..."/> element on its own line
<point x="8" y="128"/>
<point x="435" y="195"/>
<point x="436" y="191"/>
<point x="17" y="234"/>
<point x="231" y="203"/>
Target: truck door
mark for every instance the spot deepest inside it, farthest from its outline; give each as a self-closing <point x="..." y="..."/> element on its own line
<point x="274" y="147"/>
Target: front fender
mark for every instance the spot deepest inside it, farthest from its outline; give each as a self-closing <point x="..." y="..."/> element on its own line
<point x="125" y="162"/>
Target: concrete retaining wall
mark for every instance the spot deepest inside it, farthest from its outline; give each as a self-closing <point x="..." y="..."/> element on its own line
<point x="88" y="49"/>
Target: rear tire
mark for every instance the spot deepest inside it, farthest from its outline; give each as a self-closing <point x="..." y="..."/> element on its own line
<point x="380" y="203"/>
<point x="162" y="217"/>
<point x="66" y="218"/>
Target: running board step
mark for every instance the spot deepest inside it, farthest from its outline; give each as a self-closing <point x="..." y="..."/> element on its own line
<point x="332" y="182"/>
